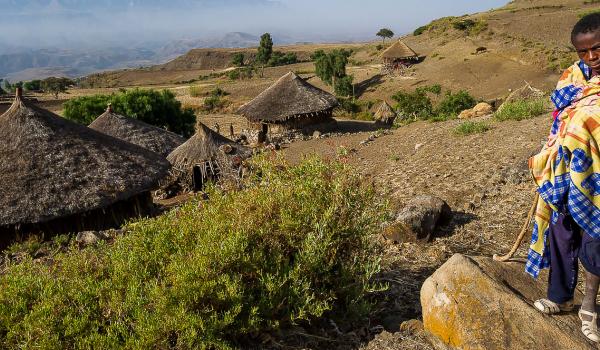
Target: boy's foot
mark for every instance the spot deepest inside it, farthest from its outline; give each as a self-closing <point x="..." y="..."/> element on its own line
<point x="549" y="307"/>
<point x="589" y="325"/>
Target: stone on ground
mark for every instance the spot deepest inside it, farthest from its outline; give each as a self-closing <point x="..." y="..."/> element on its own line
<point x="422" y="215"/>
<point x="477" y="303"/>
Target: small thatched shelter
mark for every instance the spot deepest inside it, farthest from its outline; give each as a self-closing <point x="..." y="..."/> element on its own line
<point x="57" y="176"/>
<point x="290" y="104"/>
<point x="206" y="156"/>
<point x="385" y="115"/>
<point x="137" y="132"/>
<point x="398" y="56"/>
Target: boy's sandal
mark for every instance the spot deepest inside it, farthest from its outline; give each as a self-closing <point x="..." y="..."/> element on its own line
<point x="590" y="328"/>
<point x="549" y="307"/>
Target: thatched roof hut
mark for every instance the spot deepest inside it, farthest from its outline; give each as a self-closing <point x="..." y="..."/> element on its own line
<point x="206" y="156"/>
<point x="399" y="51"/>
<point x="58" y="176"/>
<point x="137" y="132"/>
<point x="385" y="114"/>
<point x="290" y="100"/>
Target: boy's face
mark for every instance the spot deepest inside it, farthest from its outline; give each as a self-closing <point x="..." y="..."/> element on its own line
<point x="588" y="49"/>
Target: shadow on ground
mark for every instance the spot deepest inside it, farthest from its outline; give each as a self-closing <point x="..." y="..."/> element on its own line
<point x="352" y="126"/>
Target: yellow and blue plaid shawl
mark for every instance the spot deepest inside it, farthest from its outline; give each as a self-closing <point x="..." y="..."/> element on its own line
<point x="567" y="170"/>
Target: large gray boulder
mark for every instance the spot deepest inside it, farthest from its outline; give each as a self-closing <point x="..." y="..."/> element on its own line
<point x="477" y="303"/>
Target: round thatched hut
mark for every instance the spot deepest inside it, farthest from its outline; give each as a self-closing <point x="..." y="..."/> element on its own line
<point x="398" y="56"/>
<point x="137" y="132"/>
<point x="205" y="157"/>
<point x="290" y="104"/>
<point x="57" y="176"/>
<point x="385" y="115"/>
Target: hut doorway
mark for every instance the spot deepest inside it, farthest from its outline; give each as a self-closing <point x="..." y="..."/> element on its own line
<point x="197" y="178"/>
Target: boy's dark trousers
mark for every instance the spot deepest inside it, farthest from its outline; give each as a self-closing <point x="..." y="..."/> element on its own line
<point x="565" y="242"/>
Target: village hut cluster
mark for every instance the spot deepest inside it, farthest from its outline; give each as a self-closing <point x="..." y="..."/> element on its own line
<point x="57" y="176"/>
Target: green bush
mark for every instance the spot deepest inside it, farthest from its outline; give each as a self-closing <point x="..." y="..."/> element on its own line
<point x="159" y="108"/>
<point x="213" y="102"/>
<point x="420" y="30"/>
<point x="280" y="59"/>
<point x="468" y="128"/>
<point x="349" y="105"/>
<point x="240" y="73"/>
<point x="454" y="103"/>
<point x="463" y="24"/>
<point x="521" y="109"/>
<point x="238" y="59"/>
<point x="343" y="86"/>
<point x="295" y="244"/>
<point x="413" y="105"/>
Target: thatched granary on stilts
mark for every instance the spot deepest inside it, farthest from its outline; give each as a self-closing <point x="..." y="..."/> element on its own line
<point x="385" y="115"/>
<point x="58" y="177"/>
<point x="291" y="104"/>
<point x="205" y="157"/>
<point x="398" y="57"/>
<point x="137" y="132"/>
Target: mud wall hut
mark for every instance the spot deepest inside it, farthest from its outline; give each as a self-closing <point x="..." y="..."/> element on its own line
<point x="291" y="104"/>
<point x="58" y="177"/>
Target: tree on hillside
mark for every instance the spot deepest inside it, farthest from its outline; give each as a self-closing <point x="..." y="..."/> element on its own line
<point x="265" y="50"/>
<point x="56" y="85"/>
<point x="331" y="69"/>
<point x="33" y="85"/>
<point x="385" y="33"/>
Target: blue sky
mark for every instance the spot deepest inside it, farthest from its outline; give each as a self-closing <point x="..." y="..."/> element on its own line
<point x="56" y="22"/>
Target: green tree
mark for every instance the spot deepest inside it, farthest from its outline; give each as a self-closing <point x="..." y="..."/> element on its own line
<point x="330" y="67"/>
<point x="238" y="59"/>
<point x="265" y="50"/>
<point x="33" y="85"/>
<point x="453" y="104"/>
<point x="56" y="85"/>
<point x="343" y="86"/>
<point x="384" y="33"/>
<point x="159" y="108"/>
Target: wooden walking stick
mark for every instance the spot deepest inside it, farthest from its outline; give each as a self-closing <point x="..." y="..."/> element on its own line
<point x="524" y="230"/>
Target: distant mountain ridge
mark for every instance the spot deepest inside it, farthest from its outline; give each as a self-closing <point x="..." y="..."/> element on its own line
<point x="24" y="64"/>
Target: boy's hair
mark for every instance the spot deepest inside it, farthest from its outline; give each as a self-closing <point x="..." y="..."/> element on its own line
<point x="587" y="24"/>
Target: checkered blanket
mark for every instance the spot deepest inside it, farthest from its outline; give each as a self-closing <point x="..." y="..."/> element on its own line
<point x="567" y="170"/>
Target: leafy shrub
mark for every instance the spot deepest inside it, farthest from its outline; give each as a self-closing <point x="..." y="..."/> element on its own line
<point x="238" y="59"/>
<point x="343" y="86"/>
<point x="33" y="85"/>
<point x="280" y="59"/>
<point x="349" y="105"/>
<point x="463" y="24"/>
<point x="521" y="109"/>
<point x="212" y="103"/>
<point x="452" y="104"/>
<point x="296" y="243"/>
<point x="379" y="47"/>
<point x="159" y="108"/>
<point x="240" y="73"/>
<point x="413" y="105"/>
<point x="420" y="30"/>
<point x="468" y="128"/>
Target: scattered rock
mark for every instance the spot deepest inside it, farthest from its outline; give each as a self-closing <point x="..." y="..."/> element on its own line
<point x="480" y="110"/>
<point x="477" y="303"/>
<point x="422" y="214"/>
<point x="87" y="238"/>
<point x="316" y="134"/>
<point x="418" y="146"/>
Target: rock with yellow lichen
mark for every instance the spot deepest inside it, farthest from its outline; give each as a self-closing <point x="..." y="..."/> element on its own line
<point x="477" y="303"/>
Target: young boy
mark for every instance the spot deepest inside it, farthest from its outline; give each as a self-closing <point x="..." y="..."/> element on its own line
<point x="567" y="174"/>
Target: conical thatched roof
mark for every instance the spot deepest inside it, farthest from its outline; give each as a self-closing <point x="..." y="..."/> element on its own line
<point x="399" y="50"/>
<point x="289" y="97"/>
<point x="385" y="114"/>
<point x="137" y="132"/>
<point x="52" y="168"/>
<point x="205" y="145"/>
